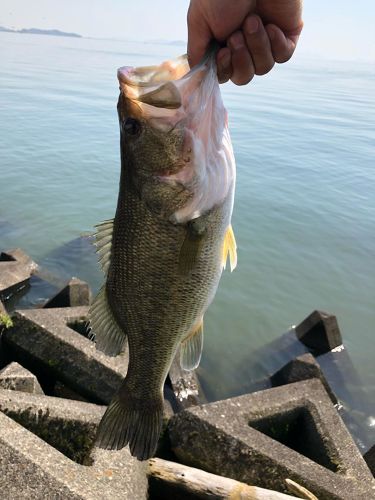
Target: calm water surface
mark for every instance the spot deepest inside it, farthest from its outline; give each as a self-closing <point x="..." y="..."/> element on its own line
<point x="304" y="213"/>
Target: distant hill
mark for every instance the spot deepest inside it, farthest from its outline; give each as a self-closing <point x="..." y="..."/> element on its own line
<point x="167" y="42"/>
<point x="36" y="31"/>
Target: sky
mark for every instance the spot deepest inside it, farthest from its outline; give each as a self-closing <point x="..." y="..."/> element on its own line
<point x="334" y="29"/>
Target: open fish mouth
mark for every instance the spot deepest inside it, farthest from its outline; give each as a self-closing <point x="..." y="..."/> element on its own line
<point x="146" y="76"/>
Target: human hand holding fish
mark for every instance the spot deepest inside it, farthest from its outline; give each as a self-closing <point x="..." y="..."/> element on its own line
<point x="256" y="34"/>
<point x="165" y="249"/>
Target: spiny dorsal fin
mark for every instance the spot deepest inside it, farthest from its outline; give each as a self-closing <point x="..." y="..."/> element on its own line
<point x="108" y="335"/>
<point x="191" y="348"/>
<point x="229" y="249"/>
<point x="191" y="246"/>
<point x="103" y="243"/>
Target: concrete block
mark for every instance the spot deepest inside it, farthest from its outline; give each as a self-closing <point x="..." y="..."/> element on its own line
<point x="74" y="294"/>
<point x="61" y="390"/>
<point x="17" y="378"/>
<point x="32" y="469"/>
<point x="292" y="431"/>
<point x="319" y="332"/>
<point x="301" y="368"/>
<point x="13" y="277"/>
<point x="69" y="426"/>
<point x="43" y="341"/>
<point x="18" y="255"/>
<point x="4" y="322"/>
<point x="46" y="341"/>
<point x="369" y="457"/>
<point x="15" y="270"/>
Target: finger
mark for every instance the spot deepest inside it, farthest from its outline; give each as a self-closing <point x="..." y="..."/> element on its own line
<point x="259" y="44"/>
<point x="282" y="46"/>
<point x="199" y="37"/>
<point x="242" y="64"/>
<point x="224" y="65"/>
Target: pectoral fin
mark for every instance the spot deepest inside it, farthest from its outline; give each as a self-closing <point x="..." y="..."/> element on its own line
<point x="192" y="245"/>
<point x="191" y="348"/>
<point x="229" y="249"/>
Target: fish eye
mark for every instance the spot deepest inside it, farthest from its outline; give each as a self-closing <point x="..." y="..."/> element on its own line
<point x="131" y="126"/>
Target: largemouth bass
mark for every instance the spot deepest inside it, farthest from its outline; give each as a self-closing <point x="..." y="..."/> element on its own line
<point x="164" y="251"/>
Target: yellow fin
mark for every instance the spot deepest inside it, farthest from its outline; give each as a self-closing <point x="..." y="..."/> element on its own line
<point x="229" y="248"/>
<point x="191" y="348"/>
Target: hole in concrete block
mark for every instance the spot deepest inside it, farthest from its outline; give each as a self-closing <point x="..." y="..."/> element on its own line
<point x="72" y="438"/>
<point x="80" y="326"/>
<point x="4" y="257"/>
<point x="297" y="430"/>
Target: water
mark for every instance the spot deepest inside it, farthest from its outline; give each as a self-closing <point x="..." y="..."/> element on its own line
<point x="304" y="211"/>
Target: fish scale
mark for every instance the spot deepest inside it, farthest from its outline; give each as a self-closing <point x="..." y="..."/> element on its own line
<point x="164" y="252"/>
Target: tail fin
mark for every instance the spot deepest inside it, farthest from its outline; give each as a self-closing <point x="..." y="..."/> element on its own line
<point x="133" y="421"/>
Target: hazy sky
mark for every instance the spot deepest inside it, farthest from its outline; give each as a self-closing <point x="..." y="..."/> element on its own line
<point x="333" y="28"/>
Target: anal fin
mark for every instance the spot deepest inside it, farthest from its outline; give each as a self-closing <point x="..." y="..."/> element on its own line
<point x="229" y="249"/>
<point x="191" y="348"/>
<point x="109" y="337"/>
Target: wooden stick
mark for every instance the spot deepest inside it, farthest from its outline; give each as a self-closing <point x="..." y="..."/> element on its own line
<point x="299" y="490"/>
<point x="165" y="475"/>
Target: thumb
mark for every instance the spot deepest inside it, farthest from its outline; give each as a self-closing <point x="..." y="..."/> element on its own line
<point x="199" y="37"/>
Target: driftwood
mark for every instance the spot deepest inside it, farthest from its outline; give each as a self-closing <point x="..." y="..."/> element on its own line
<point x="299" y="490"/>
<point x="183" y="482"/>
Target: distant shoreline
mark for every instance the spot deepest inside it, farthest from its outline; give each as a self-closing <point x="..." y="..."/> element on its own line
<point x="37" y="31"/>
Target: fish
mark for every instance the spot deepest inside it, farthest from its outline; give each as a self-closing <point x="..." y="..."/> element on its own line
<point x="164" y="251"/>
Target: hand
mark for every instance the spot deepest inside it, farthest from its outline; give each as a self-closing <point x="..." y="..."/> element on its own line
<point x="257" y="34"/>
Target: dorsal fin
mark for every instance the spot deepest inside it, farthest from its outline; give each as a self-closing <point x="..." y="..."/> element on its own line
<point x="106" y="332"/>
<point x="103" y="243"/>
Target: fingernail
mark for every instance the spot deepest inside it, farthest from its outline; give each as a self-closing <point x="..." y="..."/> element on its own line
<point x="252" y="24"/>
<point x="236" y="41"/>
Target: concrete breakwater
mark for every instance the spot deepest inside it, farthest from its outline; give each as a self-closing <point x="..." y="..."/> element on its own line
<point x="54" y="383"/>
